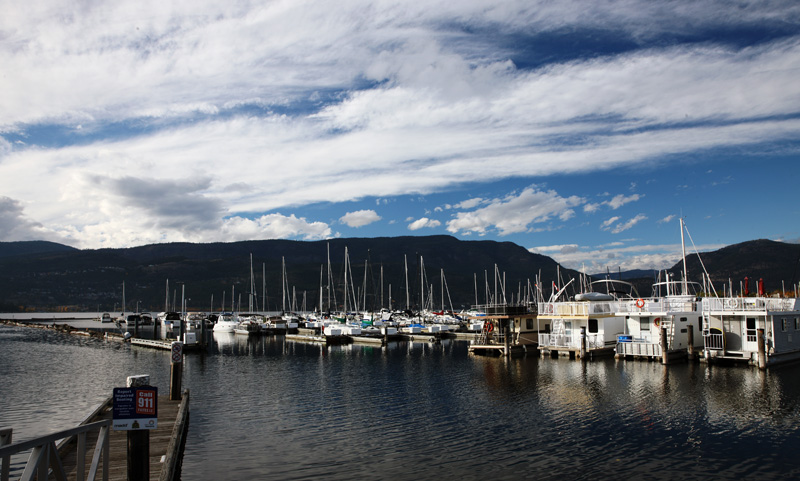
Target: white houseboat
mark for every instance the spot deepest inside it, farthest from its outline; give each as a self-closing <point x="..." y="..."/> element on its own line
<point x="731" y="327"/>
<point x="672" y="317"/>
<point x="589" y="324"/>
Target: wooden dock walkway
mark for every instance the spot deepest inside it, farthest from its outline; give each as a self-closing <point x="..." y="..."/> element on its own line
<point x="166" y="442"/>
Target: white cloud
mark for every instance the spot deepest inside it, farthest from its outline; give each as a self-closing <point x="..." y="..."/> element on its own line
<point x="628" y="224"/>
<point x="620" y="200"/>
<point x="423" y="223"/>
<point x="667" y="219"/>
<point x="606" y="225"/>
<point x="592" y="260"/>
<point x="515" y="212"/>
<point x="561" y="248"/>
<point x="360" y="218"/>
<point x="263" y="107"/>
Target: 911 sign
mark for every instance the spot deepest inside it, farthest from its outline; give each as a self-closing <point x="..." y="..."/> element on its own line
<point x="145" y="402"/>
<point x="135" y="408"/>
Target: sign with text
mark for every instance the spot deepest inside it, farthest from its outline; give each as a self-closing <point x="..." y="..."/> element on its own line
<point x="135" y="408"/>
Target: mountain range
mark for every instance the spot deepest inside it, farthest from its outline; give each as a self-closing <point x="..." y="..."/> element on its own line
<point x="38" y="275"/>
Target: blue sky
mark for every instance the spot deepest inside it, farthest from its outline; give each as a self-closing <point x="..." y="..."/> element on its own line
<point x="577" y="129"/>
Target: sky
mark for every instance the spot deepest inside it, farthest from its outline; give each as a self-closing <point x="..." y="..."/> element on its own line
<point x="579" y="129"/>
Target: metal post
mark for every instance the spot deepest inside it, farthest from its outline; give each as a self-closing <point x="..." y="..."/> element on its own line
<point x="506" y="334"/>
<point x="762" y="350"/>
<point x="583" y="342"/>
<point x="138" y="442"/>
<point x="664" y="349"/>
<point x="176" y="372"/>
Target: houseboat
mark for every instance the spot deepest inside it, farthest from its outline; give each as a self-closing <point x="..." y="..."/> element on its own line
<point x="731" y="328"/>
<point x="586" y="325"/>
<point x="671" y="318"/>
<point x="507" y="330"/>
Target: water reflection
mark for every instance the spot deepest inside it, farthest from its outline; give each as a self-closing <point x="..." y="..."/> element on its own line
<point x="268" y="408"/>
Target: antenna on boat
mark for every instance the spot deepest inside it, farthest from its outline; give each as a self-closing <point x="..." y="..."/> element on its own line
<point x="684" y="285"/>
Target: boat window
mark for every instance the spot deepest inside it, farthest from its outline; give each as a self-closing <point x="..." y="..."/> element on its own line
<point x="593" y="326"/>
<point x="751" y="323"/>
<point x="547" y="328"/>
<point x="784" y="324"/>
<point x="644" y="323"/>
<point x="529" y="324"/>
<point x="797" y="324"/>
<point x="684" y="319"/>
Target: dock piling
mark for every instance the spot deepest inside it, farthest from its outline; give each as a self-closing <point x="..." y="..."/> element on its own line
<point x="762" y="351"/>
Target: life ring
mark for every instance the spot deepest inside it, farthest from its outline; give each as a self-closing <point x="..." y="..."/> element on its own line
<point x="488" y="326"/>
<point x="640" y="303"/>
<point x="657" y="322"/>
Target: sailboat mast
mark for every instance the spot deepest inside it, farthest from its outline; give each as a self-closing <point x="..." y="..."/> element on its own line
<point x="408" y="297"/>
<point x="684" y="285"/>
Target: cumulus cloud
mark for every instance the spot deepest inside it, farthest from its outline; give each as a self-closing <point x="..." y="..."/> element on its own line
<point x="273" y="226"/>
<point x="423" y="223"/>
<point x="360" y="218"/>
<point x="666" y="219"/>
<point x="16" y="226"/>
<point x="516" y="212"/>
<point x="619" y="256"/>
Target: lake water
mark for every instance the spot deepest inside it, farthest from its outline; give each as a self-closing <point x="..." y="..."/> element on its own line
<point x="267" y="408"/>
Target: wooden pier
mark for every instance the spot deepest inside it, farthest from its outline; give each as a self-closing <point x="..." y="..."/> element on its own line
<point x="166" y="442"/>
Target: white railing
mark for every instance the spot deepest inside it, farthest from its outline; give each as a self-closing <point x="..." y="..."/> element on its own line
<point x="578" y="308"/>
<point x="657" y="304"/>
<point x="45" y="455"/>
<point x="639" y="348"/>
<point x="713" y="341"/>
<point x="759" y="304"/>
<point x="593" y="341"/>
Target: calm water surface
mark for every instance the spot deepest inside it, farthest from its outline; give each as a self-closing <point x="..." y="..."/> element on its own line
<point x="266" y="408"/>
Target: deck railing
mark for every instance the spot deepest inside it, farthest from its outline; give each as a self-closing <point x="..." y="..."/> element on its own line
<point x="5" y="439"/>
<point x="753" y="304"/>
<point x="713" y="341"/>
<point x="45" y="455"/>
<point x="593" y="341"/>
<point x="640" y="348"/>
<point x="578" y="308"/>
<point x="657" y="304"/>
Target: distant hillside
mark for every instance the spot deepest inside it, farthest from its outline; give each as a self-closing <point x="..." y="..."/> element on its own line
<point x="775" y="262"/>
<point x="778" y="263"/>
<point x="92" y="279"/>
<point x="45" y="276"/>
<point x="22" y="248"/>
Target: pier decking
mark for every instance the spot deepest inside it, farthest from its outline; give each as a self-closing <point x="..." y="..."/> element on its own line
<point x="166" y="442"/>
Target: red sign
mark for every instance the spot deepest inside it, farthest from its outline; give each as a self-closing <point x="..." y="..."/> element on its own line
<point x="145" y="402"/>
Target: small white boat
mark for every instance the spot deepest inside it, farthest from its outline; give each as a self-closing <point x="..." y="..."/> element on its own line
<point x="248" y="327"/>
<point x="226" y="323"/>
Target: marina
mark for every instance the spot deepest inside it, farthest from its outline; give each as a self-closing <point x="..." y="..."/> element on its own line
<point x="424" y="402"/>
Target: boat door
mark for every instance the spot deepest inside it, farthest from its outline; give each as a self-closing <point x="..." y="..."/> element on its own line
<point x="733" y="333"/>
<point x="568" y="333"/>
<point x="750" y="335"/>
